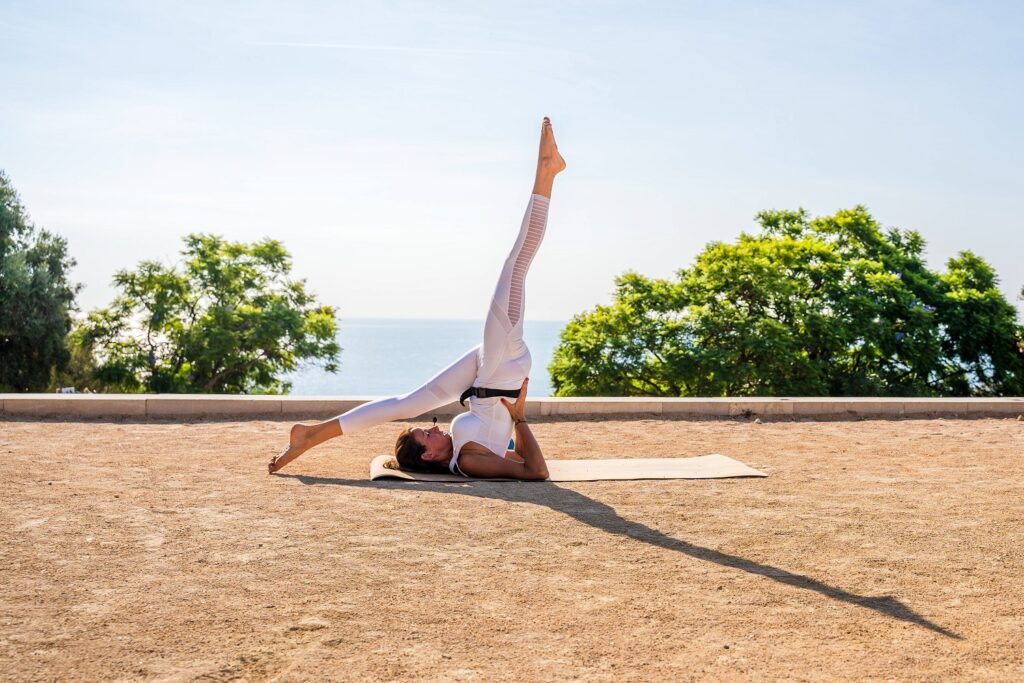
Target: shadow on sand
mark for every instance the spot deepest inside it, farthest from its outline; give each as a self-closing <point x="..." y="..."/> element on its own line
<point x="604" y="517"/>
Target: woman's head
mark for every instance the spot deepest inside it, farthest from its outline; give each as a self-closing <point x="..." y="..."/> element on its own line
<point x="423" y="450"/>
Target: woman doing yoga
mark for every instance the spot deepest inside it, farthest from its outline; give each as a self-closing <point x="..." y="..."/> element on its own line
<point x="486" y="374"/>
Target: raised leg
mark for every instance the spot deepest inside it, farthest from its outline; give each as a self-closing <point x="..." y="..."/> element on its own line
<point x="503" y="331"/>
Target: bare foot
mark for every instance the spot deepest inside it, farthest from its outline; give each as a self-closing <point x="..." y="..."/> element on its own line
<point x="298" y="443"/>
<point x="549" y="160"/>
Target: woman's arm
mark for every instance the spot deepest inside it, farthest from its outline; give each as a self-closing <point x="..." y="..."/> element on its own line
<point x="526" y="445"/>
<point x="486" y="465"/>
<point x="529" y="449"/>
<point x="477" y="461"/>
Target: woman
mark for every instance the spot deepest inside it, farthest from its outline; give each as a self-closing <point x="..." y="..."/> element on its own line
<point x="486" y="374"/>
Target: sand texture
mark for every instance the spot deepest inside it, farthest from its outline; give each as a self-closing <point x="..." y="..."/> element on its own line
<point x="879" y="549"/>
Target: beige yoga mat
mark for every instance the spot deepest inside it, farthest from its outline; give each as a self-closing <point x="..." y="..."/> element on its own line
<point x="701" y="467"/>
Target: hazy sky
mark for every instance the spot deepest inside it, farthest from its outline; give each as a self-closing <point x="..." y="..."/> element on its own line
<point x="391" y="145"/>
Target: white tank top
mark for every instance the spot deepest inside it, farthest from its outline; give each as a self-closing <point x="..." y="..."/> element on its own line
<point x="487" y="423"/>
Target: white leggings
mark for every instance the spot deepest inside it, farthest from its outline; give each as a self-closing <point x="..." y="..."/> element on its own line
<point x="502" y="361"/>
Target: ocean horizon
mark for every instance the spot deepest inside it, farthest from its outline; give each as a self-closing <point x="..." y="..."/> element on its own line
<point x="391" y="356"/>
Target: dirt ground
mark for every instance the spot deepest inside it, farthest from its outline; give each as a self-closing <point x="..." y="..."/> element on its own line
<point x="888" y="549"/>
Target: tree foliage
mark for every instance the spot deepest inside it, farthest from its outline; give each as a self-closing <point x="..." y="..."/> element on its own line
<point x="829" y="306"/>
<point x="226" y="320"/>
<point x="36" y="298"/>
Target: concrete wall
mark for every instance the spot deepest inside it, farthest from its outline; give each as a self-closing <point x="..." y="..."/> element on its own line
<point x="306" y="407"/>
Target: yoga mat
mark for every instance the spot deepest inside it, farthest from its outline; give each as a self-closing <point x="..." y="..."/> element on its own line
<point x="701" y="467"/>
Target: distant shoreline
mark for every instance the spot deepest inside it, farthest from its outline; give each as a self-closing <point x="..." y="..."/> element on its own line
<point x="390" y="356"/>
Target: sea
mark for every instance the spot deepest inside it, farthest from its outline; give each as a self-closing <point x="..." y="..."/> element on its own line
<point x="389" y="356"/>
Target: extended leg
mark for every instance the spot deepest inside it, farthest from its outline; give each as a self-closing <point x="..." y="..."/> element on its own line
<point x="441" y="389"/>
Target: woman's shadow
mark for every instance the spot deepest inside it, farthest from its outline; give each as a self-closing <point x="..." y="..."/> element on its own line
<point x="604" y="517"/>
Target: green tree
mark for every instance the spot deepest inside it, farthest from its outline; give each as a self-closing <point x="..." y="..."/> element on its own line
<point x="833" y="305"/>
<point x="36" y="298"/>
<point x="227" y="320"/>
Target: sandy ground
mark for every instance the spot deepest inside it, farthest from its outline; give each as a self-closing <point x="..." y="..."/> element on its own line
<point x="157" y="550"/>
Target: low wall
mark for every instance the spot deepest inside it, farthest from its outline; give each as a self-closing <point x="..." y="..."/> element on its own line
<point x="305" y="407"/>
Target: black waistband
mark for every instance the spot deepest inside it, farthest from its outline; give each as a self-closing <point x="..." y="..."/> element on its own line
<point x="484" y="392"/>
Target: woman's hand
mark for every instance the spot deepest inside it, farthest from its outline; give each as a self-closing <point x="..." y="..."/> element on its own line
<point x="518" y="409"/>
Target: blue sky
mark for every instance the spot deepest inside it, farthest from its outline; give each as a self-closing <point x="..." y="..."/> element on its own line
<point x="390" y="145"/>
